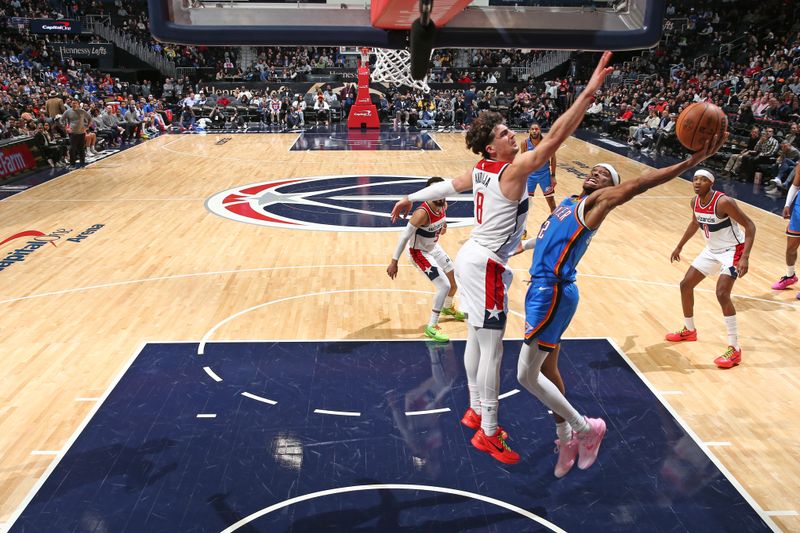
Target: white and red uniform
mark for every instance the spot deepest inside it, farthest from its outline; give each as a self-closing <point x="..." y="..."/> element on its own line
<point x="424" y="249"/>
<point x="724" y="239"/>
<point x="481" y="272"/>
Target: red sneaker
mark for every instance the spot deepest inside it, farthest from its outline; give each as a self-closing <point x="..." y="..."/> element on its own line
<point x="730" y="358"/>
<point x="495" y="446"/>
<point x="471" y="419"/>
<point x="682" y="335"/>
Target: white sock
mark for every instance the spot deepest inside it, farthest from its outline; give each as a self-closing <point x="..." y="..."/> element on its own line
<point x="442" y="285"/>
<point x="530" y="377"/>
<point x="448" y="302"/>
<point x="688" y="321"/>
<point x="733" y="333"/>
<point x="489" y="417"/>
<point x="491" y="345"/>
<point x="472" y="357"/>
<point x="789" y="270"/>
<point x="564" y="432"/>
<point x="434" y="318"/>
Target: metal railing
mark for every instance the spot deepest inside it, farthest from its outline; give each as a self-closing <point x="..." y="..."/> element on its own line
<point x="542" y="65"/>
<point x="102" y="26"/>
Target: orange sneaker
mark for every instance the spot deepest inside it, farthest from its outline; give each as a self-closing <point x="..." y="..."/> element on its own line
<point x="682" y="335"/>
<point x="495" y="446"/>
<point x="730" y="358"/>
<point x="471" y="419"/>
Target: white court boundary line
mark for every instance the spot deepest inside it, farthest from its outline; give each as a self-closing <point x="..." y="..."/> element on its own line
<point x="201" y="348"/>
<point x="702" y="445"/>
<point x="63" y="451"/>
<point x="336" y="413"/>
<point x="428" y="412"/>
<point x="205" y="340"/>
<point x="392" y="486"/>
<point x="792" y="303"/>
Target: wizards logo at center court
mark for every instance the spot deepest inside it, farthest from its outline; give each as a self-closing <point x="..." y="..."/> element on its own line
<point x="328" y="203"/>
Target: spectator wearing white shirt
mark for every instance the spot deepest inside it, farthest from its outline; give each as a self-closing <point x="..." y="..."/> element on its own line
<point x="322" y="109"/>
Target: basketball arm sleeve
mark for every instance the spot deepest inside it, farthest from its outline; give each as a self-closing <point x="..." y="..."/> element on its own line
<point x="407" y="233"/>
<point x="529" y="244"/>
<point x="436" y="191"/>
<point x="793" y="190"/>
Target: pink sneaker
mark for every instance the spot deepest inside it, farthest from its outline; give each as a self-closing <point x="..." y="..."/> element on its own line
<point x="567" y="453"/>
<point x="589" y="443"/>
<point x="784" y="283"/>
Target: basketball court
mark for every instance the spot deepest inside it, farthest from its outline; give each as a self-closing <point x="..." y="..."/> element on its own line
<point x="199" y="333"/>
<point x="211" y="342"/>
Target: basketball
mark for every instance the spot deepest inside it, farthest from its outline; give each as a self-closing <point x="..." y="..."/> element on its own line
<point x="698" y="123"/>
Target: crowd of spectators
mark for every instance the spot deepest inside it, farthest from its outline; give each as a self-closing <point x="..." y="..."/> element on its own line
<point x="704" y="56"/>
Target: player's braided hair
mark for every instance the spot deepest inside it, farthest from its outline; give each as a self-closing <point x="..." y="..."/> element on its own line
<point x="481" y="132"/>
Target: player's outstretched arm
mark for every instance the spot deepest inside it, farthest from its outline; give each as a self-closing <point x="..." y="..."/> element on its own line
<point x="433" y="192"/>
<point x="566" y="124"/>
<point x="793" y="190"/>
<point x="419" y="218"/>
<point x="728" y="206"/>
<point x="601" y="202"/>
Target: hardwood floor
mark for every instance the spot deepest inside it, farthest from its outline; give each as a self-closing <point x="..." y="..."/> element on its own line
<point x="162" y="267"/>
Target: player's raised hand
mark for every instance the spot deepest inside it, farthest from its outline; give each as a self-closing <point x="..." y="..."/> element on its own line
<point x="402" y="207"/>
<point x="710" y="148"/>
<point x="600" y="72"/>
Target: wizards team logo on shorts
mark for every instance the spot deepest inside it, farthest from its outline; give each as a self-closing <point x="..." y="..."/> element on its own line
<point x="329" y="203"/>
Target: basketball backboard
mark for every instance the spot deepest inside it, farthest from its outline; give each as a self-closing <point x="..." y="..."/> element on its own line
<point x="549" y="24"/>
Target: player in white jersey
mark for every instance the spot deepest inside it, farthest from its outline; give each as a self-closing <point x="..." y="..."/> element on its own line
<point x="500" y="197"/>
<point x="727" y="252"/>
<point x="422" y="235"/>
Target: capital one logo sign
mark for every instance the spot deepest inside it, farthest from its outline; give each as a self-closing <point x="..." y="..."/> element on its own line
<point x="58" y="26"/>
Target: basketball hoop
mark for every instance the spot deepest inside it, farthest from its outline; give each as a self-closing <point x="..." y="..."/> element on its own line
<point x="394" y="67"/>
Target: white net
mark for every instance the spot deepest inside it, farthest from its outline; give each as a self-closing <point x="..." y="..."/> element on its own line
<point x="394" y="67"/>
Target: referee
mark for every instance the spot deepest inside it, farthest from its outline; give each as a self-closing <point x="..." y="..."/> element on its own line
<point x="76" y="120"/>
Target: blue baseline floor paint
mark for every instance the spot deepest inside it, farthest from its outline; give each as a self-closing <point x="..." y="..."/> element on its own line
<point x="173" y="449"/>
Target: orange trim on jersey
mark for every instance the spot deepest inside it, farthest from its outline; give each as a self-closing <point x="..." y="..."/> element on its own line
<point x="546" y="319"/>
<point x="547" y="345"/>
<point x="567" y="248"/>
<point x="792" y="233"/>
<point x="575" y="212"/>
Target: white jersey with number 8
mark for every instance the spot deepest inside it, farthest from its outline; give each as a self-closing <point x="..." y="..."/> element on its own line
<point x="499" y="222"/>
